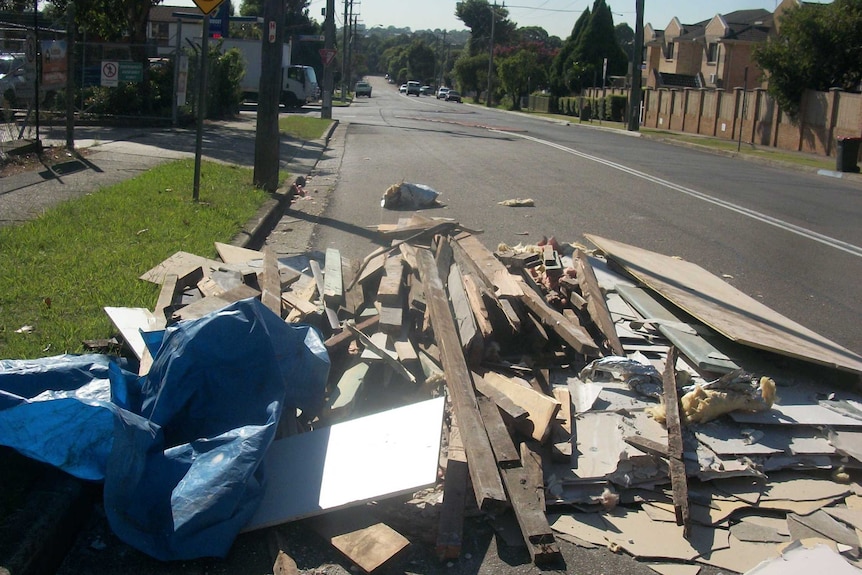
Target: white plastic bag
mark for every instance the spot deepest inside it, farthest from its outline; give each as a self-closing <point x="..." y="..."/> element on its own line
<point x="407" y="195"/>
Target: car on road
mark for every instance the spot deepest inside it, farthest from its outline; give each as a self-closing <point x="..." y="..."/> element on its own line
<point x="403" y="88"/>
<point x="11" y="74"/>
<point x="441" y="93"/>
<point x="362" y="89"/>
<point x="453" y="96"/>
<point x="414" y="88"/>
<point x="426" y="90"/>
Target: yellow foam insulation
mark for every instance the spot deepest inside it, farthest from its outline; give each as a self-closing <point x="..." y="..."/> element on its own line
<point x="701" y="404"/>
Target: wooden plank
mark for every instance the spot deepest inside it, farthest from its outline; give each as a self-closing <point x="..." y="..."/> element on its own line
<point x="368" y="546"/>
<point x="331" y="315"/>
<point x="298" y="303"/>
<point x="503" y="401"/>
<point x="207" y="305"/>
<point x="561" y="430"/>
<point x="182" y="263"/>
<point x="130" y="321"/>
<point x="501" y="441"/>
<point x="339" y="340"/>
<point x="365" y="459"/>
<point x="477" y="303"/>
<point x="389" y="290"/>
<point x="502" y="305"/>
<point x="391" y="319"/>
<point x="487" y="485"/>
<point x="305" y="292"/>
<point x="343" y="396"/>
<point x="166" y="300"/>
<point x="471" y="339"/>
<point x="383" y="353"/>
<point x="676" y="461"/>
<point x="354" y="298"/>
<point x="573" y="334"/>
<point x="726" y="309"/>
<point x="531" y="461"/>
<point x="492" y="269"/>
<point x="270" y="282"/>
<point x="451" y="524"/>
<point x="541" y="408"/>
<point x="333" y="288"/>
<point x="596" y="304"/>
<point x="530" y="513"/>
<point x="647" y="445"/>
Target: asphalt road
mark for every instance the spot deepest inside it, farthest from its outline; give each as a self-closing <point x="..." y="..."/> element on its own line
<point x="792" y="239"/>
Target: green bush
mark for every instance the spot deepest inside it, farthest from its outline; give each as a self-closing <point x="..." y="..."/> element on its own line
<point x="615" y="108"/>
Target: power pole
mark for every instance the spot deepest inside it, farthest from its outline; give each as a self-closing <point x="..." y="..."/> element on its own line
<point x="329" y="44"/>
<point x="345" y="29"/>
<point x="491" y="54"/>
<point x="637" y="51"/>
<point x="350" y="42"/>
<point x="267" y="139"/>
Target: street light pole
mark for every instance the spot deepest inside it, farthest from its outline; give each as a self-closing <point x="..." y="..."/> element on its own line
<point x="329" y="44"/>
<point x="637" y="50"/>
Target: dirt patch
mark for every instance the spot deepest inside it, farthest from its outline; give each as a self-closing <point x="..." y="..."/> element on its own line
<point x="50" y="156"/>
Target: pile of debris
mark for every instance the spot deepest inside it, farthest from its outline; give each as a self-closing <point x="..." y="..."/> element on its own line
<point x="606" y="397"/>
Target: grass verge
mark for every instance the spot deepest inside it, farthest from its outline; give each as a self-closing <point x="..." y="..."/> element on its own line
<point x="62" y="268"/>
<point x="303" y="127"/>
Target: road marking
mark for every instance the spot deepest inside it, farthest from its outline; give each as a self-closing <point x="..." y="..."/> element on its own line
<point x="792" y="228"/>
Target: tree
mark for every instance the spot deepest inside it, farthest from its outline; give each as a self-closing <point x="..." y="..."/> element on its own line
<point x="819" y="47"/>
<point x="558" y="74"/>
<point x="471" y="72"/>
<point x="519" y="72"/>
<point x="476" y="15"/>
<point x="625" y="37"/>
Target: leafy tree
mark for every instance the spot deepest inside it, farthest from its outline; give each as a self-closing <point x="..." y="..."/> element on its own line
<point x="471" y="72"/>
<point x="559" y="72"/>
<point x="15" y="5"/>
<point x="421" y="62"/>
<point x="625" y="38"/>
<point x="519" y="72"/>
<point x="476" y="15"/>
<point x="819" y="47"/>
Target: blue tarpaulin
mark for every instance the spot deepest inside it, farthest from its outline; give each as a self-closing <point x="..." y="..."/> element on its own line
<point x="180" y="449"/>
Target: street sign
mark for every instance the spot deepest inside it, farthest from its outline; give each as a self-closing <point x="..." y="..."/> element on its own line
<point x="208" y="6"/>
<point x="327" y="55"/>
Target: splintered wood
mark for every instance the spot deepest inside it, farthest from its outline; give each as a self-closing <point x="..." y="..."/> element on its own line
<point x="563" y="384"/>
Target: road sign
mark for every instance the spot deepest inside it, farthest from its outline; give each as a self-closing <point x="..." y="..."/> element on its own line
<point x="327" y="55"/>
<point x="110" y="73"/>
<point x="208" y="6"/>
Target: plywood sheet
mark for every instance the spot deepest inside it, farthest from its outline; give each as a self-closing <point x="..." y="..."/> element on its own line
<point x="372" y="457"/>
<point x="724" y="308"/>
<point x="131" y="321"/>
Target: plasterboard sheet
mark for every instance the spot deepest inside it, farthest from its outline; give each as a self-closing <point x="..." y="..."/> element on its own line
<point x="728" y="439"/>
<point x="584" y="394"/>
<point x="740" y="556"/>
<point x="131" y="321"/>
<point x="847" y="442"/>
<point x="601" y="452"/>
<point x="852" y="517"/>
<point x="644" y="538"/>
<point x="371" y="457"/>
<point x="800" y="487"/>
<point x="674" y="568"/>
<point x="797" y="414"/>
<point x="586" y="526"/>
<point x="729" y="311"/>
<point x="800" y="560"/>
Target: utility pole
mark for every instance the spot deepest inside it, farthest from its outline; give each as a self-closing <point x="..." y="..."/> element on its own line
<point x="350" y="40"/>
<point x="267" y="138"/>
<point x="345" y="29"/>
<point x="329" y="44"/>
<point x="637" y="51"/>
<point x="491" y="54"/>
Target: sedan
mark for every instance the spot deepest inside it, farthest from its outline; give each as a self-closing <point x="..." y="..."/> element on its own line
<point x="441" y="93"/>
<point x="453" y="96"/>
<point x="403" y="88"/>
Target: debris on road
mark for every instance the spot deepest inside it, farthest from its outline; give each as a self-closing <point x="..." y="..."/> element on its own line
<point x="605" y="396"/>
<point x="518" y="203"/>
<point x="409" y="196"/>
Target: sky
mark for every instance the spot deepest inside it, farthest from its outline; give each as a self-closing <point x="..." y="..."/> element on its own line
<point x="556" y="16"/>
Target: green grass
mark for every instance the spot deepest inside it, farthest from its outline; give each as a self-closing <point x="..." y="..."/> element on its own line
<point x="61" y="269"/>
<point x="303" y="127"/>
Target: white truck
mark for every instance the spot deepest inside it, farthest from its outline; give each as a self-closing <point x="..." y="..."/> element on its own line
<point x="298" y="83"/>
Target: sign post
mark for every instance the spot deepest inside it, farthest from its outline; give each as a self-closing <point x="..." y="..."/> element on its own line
<point x="207" y="7"/>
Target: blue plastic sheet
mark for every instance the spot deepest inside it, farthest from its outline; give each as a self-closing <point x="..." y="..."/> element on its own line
<point x="181" y="449"/>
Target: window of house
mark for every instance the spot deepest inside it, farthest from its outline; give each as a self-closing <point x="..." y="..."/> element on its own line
<point x="668" y="51"/>
<point x="161" y="33"/>
<point x="712" y="52"/>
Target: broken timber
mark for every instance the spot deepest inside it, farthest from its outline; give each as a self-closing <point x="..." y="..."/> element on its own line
<point x="596" y="304"/>
<point x="674" y="444"/>
<point x="487" y="486"/>
<point x="572" y="333"/>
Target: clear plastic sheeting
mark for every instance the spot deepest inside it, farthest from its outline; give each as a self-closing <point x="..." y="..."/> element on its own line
<point x="407" y="195"/>
<point x="181" y="449"/>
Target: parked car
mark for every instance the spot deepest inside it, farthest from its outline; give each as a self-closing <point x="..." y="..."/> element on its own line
<point x="426" y="90"/>
<point x="414" y="88"/>
<point x="403" y="88"/>
<point x="11" y="74"/>
<point x="362" y="89"/>
<point x="441" y="93"/>
<point x="453" y="96"/>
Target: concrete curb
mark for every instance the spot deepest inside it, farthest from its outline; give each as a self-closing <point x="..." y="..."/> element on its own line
<point x="254" y="234"/>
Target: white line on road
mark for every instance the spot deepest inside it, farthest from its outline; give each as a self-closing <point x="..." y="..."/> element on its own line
<point x="806" y="233"/>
